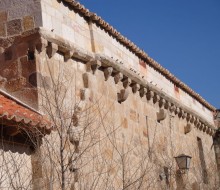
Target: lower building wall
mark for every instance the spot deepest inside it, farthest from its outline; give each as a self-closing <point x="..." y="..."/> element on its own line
<point x="16" y="167"/>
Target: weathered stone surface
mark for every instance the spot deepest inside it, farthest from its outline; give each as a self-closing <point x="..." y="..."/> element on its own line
<point x="3" y="16"/>
<point x="15" y="84"/>
<point x="2" y="30"/>
<point x="14" y="27"/>
<point x="28" y="23"/>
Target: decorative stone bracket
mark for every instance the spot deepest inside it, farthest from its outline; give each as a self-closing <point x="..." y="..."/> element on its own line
<point x="123" y="95"/>
<point x="187" y="128"/>
<point x="161" y="115"/>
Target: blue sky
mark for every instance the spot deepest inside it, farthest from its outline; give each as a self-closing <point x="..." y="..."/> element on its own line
<point x="183" y="36"/>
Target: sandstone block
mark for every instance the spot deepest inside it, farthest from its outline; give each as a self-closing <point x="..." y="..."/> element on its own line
<point x="3" y="16"/>
<point x="14" y="27"/>
<point x="28" y="23"/>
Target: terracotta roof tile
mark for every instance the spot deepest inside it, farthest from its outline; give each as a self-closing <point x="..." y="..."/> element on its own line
<point x="19" y="115"/>
<point x="136" y="50"/>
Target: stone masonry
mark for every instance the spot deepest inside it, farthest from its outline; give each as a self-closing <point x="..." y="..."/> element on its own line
<point x="142" y="115"/>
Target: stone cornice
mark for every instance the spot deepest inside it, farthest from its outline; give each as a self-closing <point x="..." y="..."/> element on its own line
<point x="136" y="50"/>
<point x="52" y="43"/>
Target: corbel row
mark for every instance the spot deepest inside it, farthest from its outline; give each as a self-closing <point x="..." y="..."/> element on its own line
<point x="120" y="74"/>
<point x="111" y="68"/>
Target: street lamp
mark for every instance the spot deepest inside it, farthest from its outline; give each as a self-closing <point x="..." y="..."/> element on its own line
<point x="183" y="162"/>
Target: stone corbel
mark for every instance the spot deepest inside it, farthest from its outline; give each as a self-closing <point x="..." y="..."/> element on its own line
<point x="108" y="72"/>
<point x="126" y="82"/>
<point x="188" y="117"/>
<point x="196" y="121"/>
<point x="51" y="49"/>
<point x="167" y="105"/>
<point x="41" y="45"/>
<point x="162" y="103"/>
<point x="198" y="124"/>
<point x="156" y="97"/>
<point x="172" y="108"/>
<point x="118" y="77"/>
<point x="180" y="114"/>
<point x="187" y="128"/>
<point x="150" y="94"/>
<point x="93" y="65"/>
<point x="123" y="95"/>
<point x="193" y="118"/>
<point x="68" y="55"/>
<point x="184" y="115"/>
<point x="161" y="115"/>
<point x="177" y="111"/>
<point x="212" y="132"/>
<point x="135" y="87"/>
<point x="201" y="126"/>
<point x="142" y="91"/>
<point x="205" y="128"/>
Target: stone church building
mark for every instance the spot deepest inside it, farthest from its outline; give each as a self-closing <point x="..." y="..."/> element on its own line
<point x="83" y="108"/>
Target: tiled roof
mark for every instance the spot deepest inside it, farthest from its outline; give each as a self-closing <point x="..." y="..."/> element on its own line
<point x="16" y="114"/>
<point x="136" y="50"/>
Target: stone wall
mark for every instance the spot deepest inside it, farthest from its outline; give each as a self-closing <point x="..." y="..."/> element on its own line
<point x="66" y="23"/>
<point x="140" y="119"/>
<point x="148" y="123"/>
<point x="19" y="16"/>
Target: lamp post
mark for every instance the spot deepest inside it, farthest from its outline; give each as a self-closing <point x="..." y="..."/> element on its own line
<point x="183" y="162"/>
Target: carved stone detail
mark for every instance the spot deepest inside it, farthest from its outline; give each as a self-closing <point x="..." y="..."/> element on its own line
<point x="108" y="72"/>
<point x="126" y="82"/>
<point x="156" y="98"/>
<point x="162" y="103"/>
<point x="123" y="95"/>
<point x="150" y="94"/>
<point x="161" y="115"/>
<point x="187" y="128"/>
<point x="180" y="114"/>
<point x="177" y="111"/>
<point x="51" y="49"/>
<point x="135" y="87"/>
<point x="142" y="91"/>
<point x="118" y="77"/>
<point x="172" y="108"/>
<point x="93" y="65"/>
<point x="192" y="119"/>
<point x="68" y="55"/>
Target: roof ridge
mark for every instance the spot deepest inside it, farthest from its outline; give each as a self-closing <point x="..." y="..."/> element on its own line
<point x="136" y="50"/>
